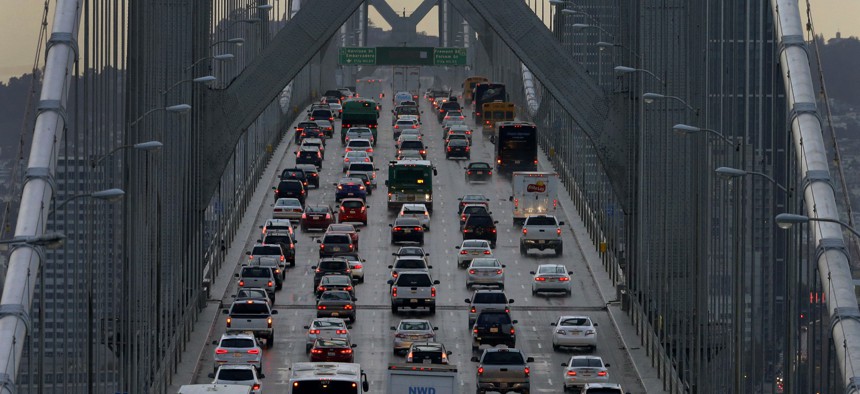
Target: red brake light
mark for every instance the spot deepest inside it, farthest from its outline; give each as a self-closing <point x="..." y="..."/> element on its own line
<point x="463" y="252"/>
<point x="316" y="351"/>
<point x="571" y="373"/>
<point x="499" y="272"/>
<point x="526" y="369"/>
<point x="558" y="231"/>
<point x="320" y="307"/>
<point x="432" y="292"/>
<point x="472" y="272"/>
<point x="601" y="373"/>
<point x="540" y="279"/>
<point x="253" y="351"/>
<point x="474" y="310"/>
<point x="229" y="320"/>
<point x="340" y="332"/>
<point x="241" y="283"/>
<point x="480" y="370"/>
<point x="269" y="284"/>
<point x="347" y="307"/>
<point x="220" y="351"/>
<point x="487" y="252"/>
<point x="312" y="331"/>
<point x="563" y="279"/>
<point x="394" y="289"/>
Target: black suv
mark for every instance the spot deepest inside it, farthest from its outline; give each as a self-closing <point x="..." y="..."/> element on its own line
<point x="309" y="155"/>
<point x="330" y="266"/>
<point x="494" y="327"/>
<point x="300" y="129"/>
<point x="448" y="106"/>
<point x="284" y="239"/>
<point x="295" y="173"/>
<point x="322" y="114"/>
<point x="290" y="188"/>
<point x="311" y="173"/>
<point x="480" y="227"/>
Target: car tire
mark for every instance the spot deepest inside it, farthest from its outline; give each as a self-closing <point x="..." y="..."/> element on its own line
<point x="308" y="348"/>
<point x="534" y="292"/>
<point x="270" y="341"/>
<point x="523" y="250"/>
<point x="394" y="309"/>
<point x="292" y="263"/>
<point x="468" y="286"/>
<point x="555" y="347"/>
<point x="559" y="250"/>
<point x="433" y="310"/>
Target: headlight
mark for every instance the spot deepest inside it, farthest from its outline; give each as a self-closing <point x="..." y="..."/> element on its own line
<point x="427" y="197"/>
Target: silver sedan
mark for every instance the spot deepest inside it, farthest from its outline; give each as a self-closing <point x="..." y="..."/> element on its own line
<point x="487" y="272"/>
<point x="287" y="208"/>
<point x="325" y="328"/>
<point x="551" y="278"/>
<point x="412" y="330"/>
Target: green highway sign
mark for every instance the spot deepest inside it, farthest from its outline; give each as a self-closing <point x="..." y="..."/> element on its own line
<point x="357" y="56"/>
<point x="449" y="56"/>
<point x="402" y="56"/>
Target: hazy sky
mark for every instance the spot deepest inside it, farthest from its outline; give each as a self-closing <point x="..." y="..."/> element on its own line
<point x="20" y="19"/>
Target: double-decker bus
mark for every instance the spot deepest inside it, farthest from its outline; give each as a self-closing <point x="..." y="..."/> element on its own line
<point x="468" y="86"/>
<point x="359" y="112"/>
<point x="324" y="377"/>
<point x="516" y="146"/>
<point x="487" y="93"/>
<point x="497" y="111"/>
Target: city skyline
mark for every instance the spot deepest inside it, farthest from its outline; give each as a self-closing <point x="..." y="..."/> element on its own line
<point x="20" y="25"/>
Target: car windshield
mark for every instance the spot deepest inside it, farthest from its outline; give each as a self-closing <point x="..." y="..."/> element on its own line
<point x="541" y="221"/>
<point x="336" y="239"/>
<point x="328" y="324"/>
<point x="341" y="227"/>
<point x="602" y="390"/>
<point x="237" y="342"/>
<point x="585" y="362"/>
<point x="288" y="202"/>
<point x="405" y="123"/>
<point x="474" y="209"/>
<point x="551" y="269"/>
<point x="410" y="263"/>
<point x="406" y="222"/>
<point x="413" y="145"/>
<point x="336" y="280"/>
<point x="503" y="358"/>
<point x="356" y="154"/>
<point x="335" y="296"/>
<point x="316" y="209"/>
<point x="493" y="318"/>
<point x="332" y="343"/>
<point x="361" y="167"/>
<point x="490" y="298"/>
<point x="475" y="220"/>
<point x="352" y="204"/>
<point x="475" y="198"/>
<point x="485" y="263"/>
<point x="475" y="244"/>
<point x="413" y="211"/>
<point x="267" y="250"/>
<point x="253" y="308"/>
<point x="333" y="265"/>
<point x="251" y="294"/>
<point x="358" y="130"/>
<point x="235" y="375"/>
<point x="411" y="251"/>
<point x="457" y="142"/>
<point x="359" y="144"/>
<point x="575" y="322"/>
<point x="414" y="280"/>
<point x="479" y="166"/>
<point x="256" y="272"/>
<point x="414" y="326"/>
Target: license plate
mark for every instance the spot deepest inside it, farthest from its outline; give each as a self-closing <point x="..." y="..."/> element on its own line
<point x="427" y="361"/>
<point x="335" y="314"/>
<point x="414" y="301"/>
<point x="494" y="330"/>
<point x="316" y="217"/>
<point x="335" y="248"/>
<point x="415" y="337"/>
<point x="552" y="280"/>
<point x="410" y="198"/>
<point x="237" y="354"/>
<point x="407" y="231"/>
<point x="517" y="161"/>
<point x="543" y="241"/>
<point x="331" y="353"/>
<point x="480" y="172"/>
<point x="350" y="194"/>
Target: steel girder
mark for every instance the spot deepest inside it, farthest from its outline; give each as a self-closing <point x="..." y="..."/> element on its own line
<point x="576" y="91"/>
<point x="232" y="110"/>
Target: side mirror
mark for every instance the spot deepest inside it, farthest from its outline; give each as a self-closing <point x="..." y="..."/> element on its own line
<point x="211" y="375"/>
<point x="532" y="272"/>
<point x="393" y="254"/>
<point x="236" y="275"/>
<point x="457" y="247"/>
<point x="225" y="311"/>
<point x="259" y="241"/>
<point x="307" y="327"/>
<point x="319" y="240"/>
<point x="606" y="365"/>
<point x="495" y="221"/>
<point x="261" y="376"/>
<point x="390" y="225"/>
<point x="474" y="359"/>
<point x="349" y="327"/>
<point x="430" y="267"/>
<point x="214" y="342"/>
<point x="450" y="352"/>
<point x="260" y="227"/>
<point x="594" y="324"/>
<point x="530" y="359"/>
<point x="248" y="253"/>
<point x="435" y="172"/>
<point x="561" y="223"/>
<point x="468" y="301"/>
<point x="427" y="254"/>
<point x="386" y="182"/>
<point x="313" y="267"/>
<point x="504" y="266"/>
<point x="570" y="272"/>
<point x="274" y="188"/>
<point x="563" y="364"/>
<point x="334" y="184"/>
<point x="354" y="345"/>
<point x="511" y="301"/>
<point x="435" y="328"/>
<point x="390" y="266"/>
<point x="393" y="328"/>
<point x="552" y="324"/>
<point x="274" y="311"/>
<point x="358" y="230"/>
<point x="436" y="282"/>
<point x="375" y="169"/>
<point x="514" y="321"/>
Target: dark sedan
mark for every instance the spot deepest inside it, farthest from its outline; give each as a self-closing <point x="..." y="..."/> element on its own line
<point x="332" y="350"/>
<point x="336" y="303"/>
<point x="478" y="172"/>
<point x="317" y="217"/>
<point x="407" y="230"/>
<point x="458" y="149"/>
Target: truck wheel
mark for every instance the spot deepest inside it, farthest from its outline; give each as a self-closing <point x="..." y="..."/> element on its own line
<point x="279" y="286"/>
<point x="394" y="309"/>
<point x="555" y="347"/>
<point x="468" y="286"/>
<point x="559" y="250"/>
<point x="523" y="250"/>
<point x="270" y="341"/>
<point x="433" y="310"/>
<point x="292" y="263"/>
<point x="308" y="348"/>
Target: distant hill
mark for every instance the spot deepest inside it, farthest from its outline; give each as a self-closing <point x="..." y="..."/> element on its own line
<point x="13" y="104"/>
<point x="840" y="60"/>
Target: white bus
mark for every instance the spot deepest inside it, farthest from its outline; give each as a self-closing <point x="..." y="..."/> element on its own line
<point x="331" y="378"/>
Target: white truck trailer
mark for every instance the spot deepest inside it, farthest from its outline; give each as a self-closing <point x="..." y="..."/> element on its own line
<point x="534" y="193"/>
<point x="422" y="379"/>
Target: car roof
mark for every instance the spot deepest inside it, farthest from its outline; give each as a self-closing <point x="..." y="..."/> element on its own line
<point x="351" y="199"/>
<point x="574" y="317"/>
<point x="237" y="335"/>
<point x="509" y="350"/>
<point x="347" y="180"/>
<point x="358" y="140"/>
<point x="406" y="220"/>
<point x="552" y="266"/>
<point x="414" y="206"/>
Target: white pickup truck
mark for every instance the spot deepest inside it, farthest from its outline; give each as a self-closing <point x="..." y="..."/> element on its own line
<point x="252" y="316"/>
<point x="541" y="232"/>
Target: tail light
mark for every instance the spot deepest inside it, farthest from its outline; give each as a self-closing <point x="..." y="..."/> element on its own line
<point x="241" y="283"/>
<point x="220" y="350"/>
<point x="472" y="272"/>
<point x="321" y="289"/>
<point x="304" y="216"/>
<point x="340" y="187"/>
<point x="477" y="114"/>
<point x="554" y="203"/>
<point x="487" y="252"/>
<point x="316" y="351"/>
<point x="340" y="332"/>
<point x="417" y="228"/>
<point x="253" y="351"/>
<point x="498" y="161"/>
<point x="409" y="357"/>
<point x="348" y="288"/>
<point x="449" y="149"/>
<point x="322" y="246"/>
<point x="423" y="152"/>
<point x="432" y="292"/>
<point x="277" y="271"/>
<point x="526" y="370"/>
<point x="328" y="216"/>
<point x="601" y="373"/>
<point x="499" y="272"/>
<point x="513" y="331"/>
<point x="277" y="191"/>
<point x="493" y="231"/>
<point x="229" y="321"/>
<point x="480" y="370"/>
<point x="394" y="275"/>
<point x="342" y="209"/>
<point x="394" y="290"/>
<point x="401" y="335"/>
<point x="302" y="192"/>
<point x="346" y="351"/>
<point x="463" y="252"/>
<point x="474" y="310"/>
<point x="283" y="258"/>
<point x="468" y="172"/>
<point x="563" y="279"/>
<point x="363" y="209"/>
<point x="540" y="279"/>
<point x="314" y="332"/>
<point x="571" y="373"/>
<point x="467" y="149"/>
<point x="269" y="284"/>
<point x="321" y="307"/>
<point x="589" y="332"/>
<point x="398" y="228"/>
<point x="487" y="122"/>
<point x="525" y="231"/>
<point x="348" y="307"/>
<point x="256" y="386"/>
<point x="535" y="162"/>
<point x="558" y="231"/>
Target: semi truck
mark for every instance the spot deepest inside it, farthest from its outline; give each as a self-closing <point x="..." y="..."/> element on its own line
<point x="533" y="193"/>
<point x="407" y="79"/>
<point x="410" y="182"/>
<point x="422" y="379"/>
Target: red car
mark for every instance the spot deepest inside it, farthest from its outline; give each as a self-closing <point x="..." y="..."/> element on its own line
<point x="332" y="350"/>
<point x="352" y="210"/>
<point x="317" y="217"/>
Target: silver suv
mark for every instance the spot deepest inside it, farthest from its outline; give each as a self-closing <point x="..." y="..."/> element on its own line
<point x="503" y="370"/>
<point x="238" y="348"/>
<point x="413" y="289"/>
